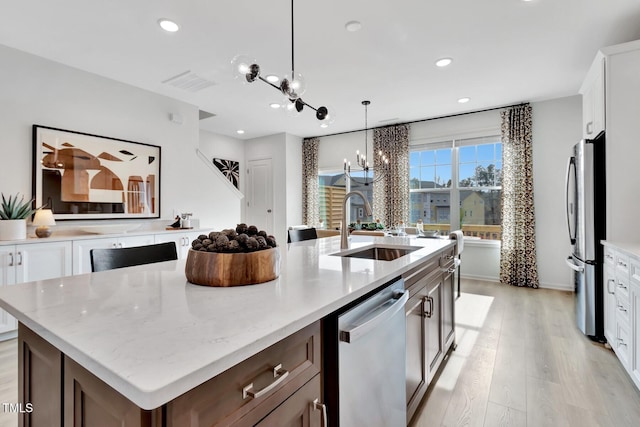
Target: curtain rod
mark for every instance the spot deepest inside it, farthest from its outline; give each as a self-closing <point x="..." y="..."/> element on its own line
<point x="425" y="120"/>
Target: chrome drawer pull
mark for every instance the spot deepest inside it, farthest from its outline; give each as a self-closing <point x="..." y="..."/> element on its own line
<point x="621" y="308"/>
<point x="608" y="288"/>
<point x="279" y="375"/>
<point x="317" y="406"/>
<point x="11" y="261"/>
<point x="621" y="342"/>
<point x="622" y="285"/>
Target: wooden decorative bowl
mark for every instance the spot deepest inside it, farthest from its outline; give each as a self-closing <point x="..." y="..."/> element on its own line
<point x="232" y="269"/>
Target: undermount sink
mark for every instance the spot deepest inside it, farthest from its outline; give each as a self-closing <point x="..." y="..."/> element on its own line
<point x="379" y="252"/>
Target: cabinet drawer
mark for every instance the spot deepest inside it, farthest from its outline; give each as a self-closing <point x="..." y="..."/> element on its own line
<point x="622" y="263"/>
<point x="634" y="270"/>
<point x="622" y="288"/>
<point x="226" y="399"/>
<point x="622" y="310"/>
<point x="622" y="346"/>
<point x="609" y="256"/>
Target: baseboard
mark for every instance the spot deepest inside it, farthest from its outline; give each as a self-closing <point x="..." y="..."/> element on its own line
<point x="481" y="278"/>
<point x="555" y="286"/>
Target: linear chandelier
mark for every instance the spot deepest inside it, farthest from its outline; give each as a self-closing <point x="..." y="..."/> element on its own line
<point x="291" y="86"/>
<point x="362" y="161"/>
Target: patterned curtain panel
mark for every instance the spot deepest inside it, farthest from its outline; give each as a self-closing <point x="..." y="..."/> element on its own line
<point x="310" y="208"/>
<point x="518" y="265"/>
<point x="391" y="195"/>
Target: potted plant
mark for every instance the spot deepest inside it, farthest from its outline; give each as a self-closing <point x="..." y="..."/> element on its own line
<point x="13" y="217"/>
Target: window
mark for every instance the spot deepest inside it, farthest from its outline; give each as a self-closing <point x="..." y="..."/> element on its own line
<point x="458" y="184"/>
<point x="331" y="191"/>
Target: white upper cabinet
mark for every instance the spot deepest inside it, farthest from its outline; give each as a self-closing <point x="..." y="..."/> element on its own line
<point x="593" y="99"/>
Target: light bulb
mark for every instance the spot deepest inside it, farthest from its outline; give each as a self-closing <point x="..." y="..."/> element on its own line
<point x="292" y="107"/>
<point x="295" y="87"/>
<point x="244" y="67"/>
<point x="326" y="116"/>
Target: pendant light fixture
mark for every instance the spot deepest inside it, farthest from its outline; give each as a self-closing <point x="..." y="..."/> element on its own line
<point x="362" y="161"/>
<point x="292" y="86"/>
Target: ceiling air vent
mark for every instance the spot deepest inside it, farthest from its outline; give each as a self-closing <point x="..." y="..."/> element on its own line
<point x="205" y="114"/>
<point x="189" y="81"/>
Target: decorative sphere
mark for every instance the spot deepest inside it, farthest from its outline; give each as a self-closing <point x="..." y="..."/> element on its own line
<point x="293" y="88"/>
<point x="244" y="67"/>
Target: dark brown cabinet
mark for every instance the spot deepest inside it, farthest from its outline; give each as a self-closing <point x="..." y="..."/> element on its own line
<point x="280" y="386"/>
<point x="430" y="324"/>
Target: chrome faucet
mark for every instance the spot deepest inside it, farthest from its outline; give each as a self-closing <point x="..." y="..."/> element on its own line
<point x="344" y="230"/>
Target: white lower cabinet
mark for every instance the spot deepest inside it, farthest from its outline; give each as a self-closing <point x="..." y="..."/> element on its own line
<point x="82" y="248"/>
<point x="609" y="303"/>
<point x="182" y="240"/>
<point x="29" y="262"/>
<point x="622" y="305"/>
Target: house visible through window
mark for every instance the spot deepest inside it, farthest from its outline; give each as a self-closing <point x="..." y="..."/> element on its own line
<point x="457" y="185"/>
<point x="333" y="186"/>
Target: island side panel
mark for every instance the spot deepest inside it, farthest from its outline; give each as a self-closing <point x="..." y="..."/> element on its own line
<point x="39" y="380"/>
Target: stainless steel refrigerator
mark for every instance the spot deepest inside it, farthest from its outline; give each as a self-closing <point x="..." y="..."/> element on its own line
<point x="585" y="207"/>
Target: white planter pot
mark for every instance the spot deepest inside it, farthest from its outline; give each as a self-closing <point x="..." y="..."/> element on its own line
<point x="13" y="229"/>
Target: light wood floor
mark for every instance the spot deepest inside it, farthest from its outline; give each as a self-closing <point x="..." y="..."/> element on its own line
<point x="521" y="361"/>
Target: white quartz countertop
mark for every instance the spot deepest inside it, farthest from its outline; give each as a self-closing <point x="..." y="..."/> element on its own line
<point x="152" y="336"/>
<point x="631" y="248"/>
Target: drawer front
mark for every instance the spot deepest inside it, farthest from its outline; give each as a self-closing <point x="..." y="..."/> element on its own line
<point x="622" y="288"/>
<point x="609" y="256"/>
<point x="622" y="310"/>
<point x="634" y="270"/>
<point x="225" y="399"/>
<point x="622" y="346"/>
<point x="622" y="263"/>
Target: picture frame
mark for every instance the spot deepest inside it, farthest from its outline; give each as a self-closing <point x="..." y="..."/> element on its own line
<point x="85" y="176"/>
<point x="229" y="168"/>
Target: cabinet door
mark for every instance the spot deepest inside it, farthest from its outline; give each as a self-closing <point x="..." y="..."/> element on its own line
<point x="182" y="241"/>
<point x="635" y="326"/>
<point x="40" y="261"/>
<point x="448" y="309"/>
<point x="88" y="401"/>
<point x="39" y="379"/>
<point x="609" y="304"/>
<point x="415" y="364"/>
<point x="299" y="409"/>
<point x="7" y="278"/>
<point x="433" y="312"/>
<point x="82" y="248"/>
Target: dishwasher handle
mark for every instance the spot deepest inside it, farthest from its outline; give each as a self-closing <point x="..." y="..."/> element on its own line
<point x="357" y="331"/>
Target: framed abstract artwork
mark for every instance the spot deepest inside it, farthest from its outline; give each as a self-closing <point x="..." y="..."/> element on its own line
<point x="229" y="168"/>
<point x="84" y="176"/>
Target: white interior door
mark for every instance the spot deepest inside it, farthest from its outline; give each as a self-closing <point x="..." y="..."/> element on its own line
<point x="260" y="195"/>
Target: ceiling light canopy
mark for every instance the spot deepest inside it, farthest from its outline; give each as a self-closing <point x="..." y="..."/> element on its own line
<point x="353" y="26"/>
<point x="362" y="162"/>
<point x="292" y="86"/>
<point x="168" y="25"/>
<point x="443" y="62"/>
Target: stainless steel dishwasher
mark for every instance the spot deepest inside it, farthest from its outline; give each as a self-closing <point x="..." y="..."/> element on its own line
<point x="371" y="360"/>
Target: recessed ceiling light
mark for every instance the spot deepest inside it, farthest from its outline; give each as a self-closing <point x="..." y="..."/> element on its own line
<point x="443" y="62"/>
<point x="274" y="105"/>
<point x="464" y="100"/>
<point x="324" y="125"/>
<point x="168" y="25"/>
<point x="353" y="26"/>
<point x="239" y="131"/>
<point x="272" y="78"/>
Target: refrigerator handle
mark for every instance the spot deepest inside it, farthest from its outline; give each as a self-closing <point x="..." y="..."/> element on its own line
<point x="571" y="163"/>
<point x="572" y="266"/>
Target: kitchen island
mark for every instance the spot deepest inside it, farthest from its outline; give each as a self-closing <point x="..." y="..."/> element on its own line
<point x="151" y="336"/>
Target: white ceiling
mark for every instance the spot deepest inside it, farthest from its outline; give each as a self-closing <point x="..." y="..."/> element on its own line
<point x="504" y="51"/>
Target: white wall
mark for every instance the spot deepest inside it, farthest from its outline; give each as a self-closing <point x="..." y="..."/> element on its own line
<point x="557" y="126"/>
<point x="293" y="184"/>
<point x="34" y="90"/>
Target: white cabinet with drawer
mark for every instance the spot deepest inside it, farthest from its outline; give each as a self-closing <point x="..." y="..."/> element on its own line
<point x="622" y="304"/>
<point x="82" y="248"/>
<point x="29" y="262"/>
